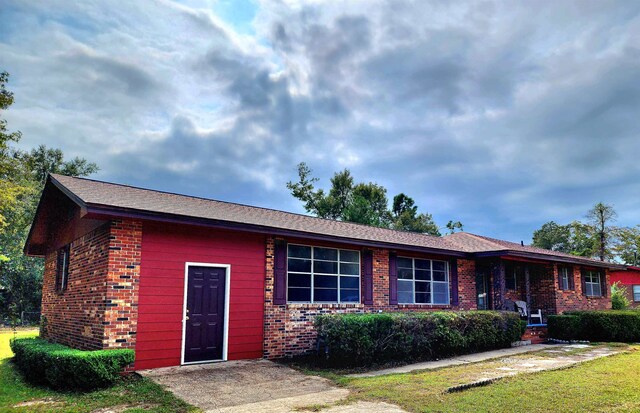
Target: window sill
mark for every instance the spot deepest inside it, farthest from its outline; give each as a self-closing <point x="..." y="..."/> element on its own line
<point x="419" y="305"/>
<point x="323" y="305"/>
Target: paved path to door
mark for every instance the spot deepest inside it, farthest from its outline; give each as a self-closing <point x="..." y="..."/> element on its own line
<point x="256" y="386"/>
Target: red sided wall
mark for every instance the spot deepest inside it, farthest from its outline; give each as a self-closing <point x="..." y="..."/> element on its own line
<point x="165" y="250"/>
<point x="628" y="277"/>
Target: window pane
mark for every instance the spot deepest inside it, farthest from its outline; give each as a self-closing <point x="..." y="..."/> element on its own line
<point x="297" y="265"/>
<point x="321" y="294"/>
<point x="349" y="256"/>
<point x="349" y="282"/>
<point x="327" y="281"/>
<point x="299" y="294"/>
<point x="405" y="292"/>
<point x="423" y="274"/>
<point x="299" y="251"/>
<point x="440" y="293"/>
<point x="405" y="274"/>
<point x="349" y="269"/>
<point x="439" y="276"/>
<point x="422" y="287"/>
<point x="349" y="296"/>
<point x="597" y="290"/>
<point x="299" y="280"/>
<point x="404" y="262"/>
<point x="439" y="266"/>
<point x="325" y="254"/>
<point x="423" y="298"/>
<point x="423" y="264"/>
<point x="589" y="289"/>
<point x="326" y="267"/>
<point x="636" y="293"/>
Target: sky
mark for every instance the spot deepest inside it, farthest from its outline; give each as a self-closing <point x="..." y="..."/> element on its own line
<point x="503" y="115"/>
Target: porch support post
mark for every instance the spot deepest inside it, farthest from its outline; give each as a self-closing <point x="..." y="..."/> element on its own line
<point x="499" y="283"/>
<point x="527" y="283"/>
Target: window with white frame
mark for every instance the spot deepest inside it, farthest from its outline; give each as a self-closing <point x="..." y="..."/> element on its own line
<point x="564" y="275"/>
<point x="322" y="275"/>
<point x="593" y="287"/>
<point x="636" y="293"/>
<point x="422" y="281"/>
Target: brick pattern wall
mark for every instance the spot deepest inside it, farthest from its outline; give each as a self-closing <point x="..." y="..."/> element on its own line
<point x="568" y="300"/>
<point x="467" y="293"/>
<point x="288" y="329"/>
<point x="75" y="316"/>
<point x="122" y="284"/>
<point x="543" y="284"/>
<point x="99" y="307"/>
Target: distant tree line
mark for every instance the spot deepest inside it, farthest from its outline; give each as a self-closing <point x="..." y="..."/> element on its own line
<point x="595" y="238"/>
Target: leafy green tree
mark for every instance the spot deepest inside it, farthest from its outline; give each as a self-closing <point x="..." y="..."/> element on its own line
<point x="553" y="236"/>
<point x="22" y="178"/>
<point x="364" y="203"/>
<point x="600" y="216"/>
<point x="582" y="240"/>
<point x="11" y="187"/>
<point x="619" y="298"/>
<point x="627" y="244"/>
<point x="454" y="226"/>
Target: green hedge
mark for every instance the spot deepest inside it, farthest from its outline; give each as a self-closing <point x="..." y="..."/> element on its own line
<point x="610" y="325"/>
<point x="61" y="367"/>
<point x="359" y="339"/>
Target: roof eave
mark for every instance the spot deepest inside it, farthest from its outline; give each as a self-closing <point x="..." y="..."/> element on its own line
<point x="545" y="257"/>
<point x="107" y="211"/>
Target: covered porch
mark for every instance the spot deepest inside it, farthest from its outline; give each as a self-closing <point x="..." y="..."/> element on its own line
<point x="503" y="284"/>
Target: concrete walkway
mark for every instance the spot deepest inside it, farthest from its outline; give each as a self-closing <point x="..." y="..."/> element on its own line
<point x="251" y="386"/>
<point x="456" y="361"/>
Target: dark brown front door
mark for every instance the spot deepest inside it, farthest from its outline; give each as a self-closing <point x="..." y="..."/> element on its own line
<point x="204" y="330"/>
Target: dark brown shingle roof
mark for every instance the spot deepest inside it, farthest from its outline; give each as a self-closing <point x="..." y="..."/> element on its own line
<point x="477" y="244"/>
<point x="97" y="193"/>
<point x="105" y="196"/>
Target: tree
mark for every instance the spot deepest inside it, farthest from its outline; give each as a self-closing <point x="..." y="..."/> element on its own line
<point x="553" y="237"/>
<point x="582" y="240"/>
<point x="10" y="186"/>
<point x="22" y="178"/>
<point x="454" y="226"/>
<point x="599" y="217"/>
<point x="363" y="203"/>
<point x="627" y="244"/>
<point x="619" y="299"/>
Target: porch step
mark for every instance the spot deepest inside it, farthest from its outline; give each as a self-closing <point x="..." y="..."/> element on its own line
<point x="535" y="334"/>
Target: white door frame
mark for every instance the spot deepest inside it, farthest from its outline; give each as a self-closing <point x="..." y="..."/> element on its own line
<point x="227" y="289"/>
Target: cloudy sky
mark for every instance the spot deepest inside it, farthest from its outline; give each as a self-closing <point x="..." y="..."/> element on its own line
<point x="503" y="115"/>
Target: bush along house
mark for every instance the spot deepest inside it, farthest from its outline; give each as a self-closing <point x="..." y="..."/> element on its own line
<point x="185" y="280"/>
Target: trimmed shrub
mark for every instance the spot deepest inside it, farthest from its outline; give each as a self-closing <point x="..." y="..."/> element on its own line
<point x="608" y="325"/>
<point x="61" y="367"/>
<point x="359" y="339"/>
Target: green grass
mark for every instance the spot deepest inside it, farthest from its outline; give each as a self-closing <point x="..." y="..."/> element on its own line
<point x="608" y="384"/>
<point x="133" y="394"/>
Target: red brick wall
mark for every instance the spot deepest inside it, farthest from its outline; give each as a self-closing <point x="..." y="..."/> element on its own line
<point x="122" y="283"/>
<point x="568" y="300"/>
<point x="99" y="307"/>
<point x="288" y="329"/>
<point x="75" y="316"/>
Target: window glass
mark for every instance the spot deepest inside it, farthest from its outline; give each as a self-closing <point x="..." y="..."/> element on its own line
<point x="422" y="281"/>
<point x="320" y="274"/>
<point x="592" y="284"/>
<point x="299" y="251"/>
<point x="636" y="293"/>
<point x="349" y="256"/>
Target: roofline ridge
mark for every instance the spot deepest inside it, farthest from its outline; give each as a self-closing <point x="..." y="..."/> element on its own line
<point x="247" y="206"/>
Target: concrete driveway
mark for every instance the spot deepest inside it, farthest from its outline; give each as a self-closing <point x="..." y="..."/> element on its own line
<point x="256" y="386"/>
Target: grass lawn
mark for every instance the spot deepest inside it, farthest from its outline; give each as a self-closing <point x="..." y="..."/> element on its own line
<point x="134" y="394"/>
<point x="608" y="384"/>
